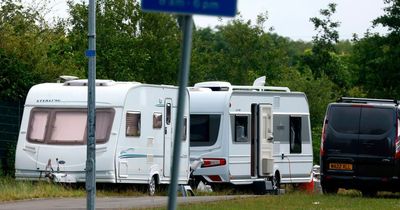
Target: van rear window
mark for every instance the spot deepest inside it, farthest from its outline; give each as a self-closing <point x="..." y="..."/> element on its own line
<point x="376" y="121"/>
<point x="345" y="119"/>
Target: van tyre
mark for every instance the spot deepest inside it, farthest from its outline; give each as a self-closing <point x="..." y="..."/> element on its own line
<point x="369" y="193"/>
<point x="329" y="189"/>
<point x="152" y="186"/>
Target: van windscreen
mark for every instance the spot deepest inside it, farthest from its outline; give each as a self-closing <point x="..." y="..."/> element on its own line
<point x="376" y="121"/>
<point x="345" y="119"/>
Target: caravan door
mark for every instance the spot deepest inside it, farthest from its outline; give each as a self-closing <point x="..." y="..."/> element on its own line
<point x="168" y="137"/>
<point x="265" y="149"/>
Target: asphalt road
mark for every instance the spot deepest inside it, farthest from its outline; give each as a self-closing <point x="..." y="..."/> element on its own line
<point x="108" y="202"/>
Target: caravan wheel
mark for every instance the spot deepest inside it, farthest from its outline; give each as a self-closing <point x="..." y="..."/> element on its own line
<point x="276" y="182"/>
<point x="152" y="186"/>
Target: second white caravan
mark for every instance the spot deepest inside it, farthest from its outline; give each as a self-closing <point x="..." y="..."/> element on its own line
<point x="227" y="133"/>
<point x="134" y="133"/>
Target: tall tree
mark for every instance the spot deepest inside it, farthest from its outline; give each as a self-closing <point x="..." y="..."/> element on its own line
<point x="377" y="56"/>
<point x="131" y="45"/>
<point x="323" y="59"/>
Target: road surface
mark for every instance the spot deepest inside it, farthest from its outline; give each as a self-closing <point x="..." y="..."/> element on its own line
<point x="109" y="202"/>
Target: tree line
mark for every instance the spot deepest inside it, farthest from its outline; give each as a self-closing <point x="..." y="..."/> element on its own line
<point x="145" y="47"/>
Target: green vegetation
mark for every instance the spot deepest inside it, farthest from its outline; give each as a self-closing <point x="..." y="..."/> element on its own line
<point x="145" y="47"/>
<point x="300" y="201"/>
<point x="10" y="189"/>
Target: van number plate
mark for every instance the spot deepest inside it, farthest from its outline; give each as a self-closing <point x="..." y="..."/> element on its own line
<point x="341" y="166"/>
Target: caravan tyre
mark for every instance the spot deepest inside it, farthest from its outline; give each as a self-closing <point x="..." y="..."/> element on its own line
<point x="152" y="186"/>
<point x="276" y="183"/>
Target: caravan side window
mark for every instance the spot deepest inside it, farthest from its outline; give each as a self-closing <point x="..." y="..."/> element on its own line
<point x="241" y="128"/>
<point x="157" y="120"/>
<point x="133" y="123"/>
<point x="184" y="129"/>
<point x="295" y="134"/>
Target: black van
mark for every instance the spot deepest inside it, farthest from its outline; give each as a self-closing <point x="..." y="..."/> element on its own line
<point x="360" y="146"/>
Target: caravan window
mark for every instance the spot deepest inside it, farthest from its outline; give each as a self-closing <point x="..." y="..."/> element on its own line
<point x="37" y="125"/>
<point x="204" y="129"/>
<point x="295" y="134"/>
<point x="168" y="114"/>
<point x="241" y="128"/>
<point x="67" y="126"/>
<point x="157" y="120"/>
<point x="133" y="124"/>
<point x="184" y="130"/>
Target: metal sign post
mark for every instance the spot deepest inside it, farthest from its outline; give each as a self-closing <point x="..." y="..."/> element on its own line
<point x="91" y="119"/>
<point x="186" y="8"/>
<point x="183" y="81"/>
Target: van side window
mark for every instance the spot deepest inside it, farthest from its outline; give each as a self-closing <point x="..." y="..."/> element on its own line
<point x="133" y="123"/>
<point x="157" y="120"/>
<point x="241" y="128"/>
<point x="168" y="114"/>
<point x="295" y="134"/>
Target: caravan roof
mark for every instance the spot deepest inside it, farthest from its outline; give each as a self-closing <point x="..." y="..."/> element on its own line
<point x="108" y="92"/>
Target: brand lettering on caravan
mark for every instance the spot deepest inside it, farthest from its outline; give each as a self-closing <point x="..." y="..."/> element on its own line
<point x="47" y="100"/>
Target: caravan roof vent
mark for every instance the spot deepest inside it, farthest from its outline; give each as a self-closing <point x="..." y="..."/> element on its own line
<point x="261" y="88"/>
<point x="214" y="86"/>
<point x="84" y="82"/>
<point x="65" y="78"/>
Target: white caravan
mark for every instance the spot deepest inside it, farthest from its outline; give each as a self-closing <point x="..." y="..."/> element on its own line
<point x="134" y="133"/>
<point x="231" y="131"/>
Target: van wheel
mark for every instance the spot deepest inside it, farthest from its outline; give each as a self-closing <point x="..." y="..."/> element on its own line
<point x="152" y="186"/>
<point x="329" y="190"/>
<point x="369" y="193"/>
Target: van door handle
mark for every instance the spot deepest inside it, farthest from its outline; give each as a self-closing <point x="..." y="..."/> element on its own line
<point x="385" y="160"/>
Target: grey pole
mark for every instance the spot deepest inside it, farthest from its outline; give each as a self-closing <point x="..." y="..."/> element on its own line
<point x="183" y="80"/>
<point x="91" y="126"/>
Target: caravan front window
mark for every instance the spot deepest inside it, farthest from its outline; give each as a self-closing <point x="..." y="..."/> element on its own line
<point x="38" y="125"/>
<point x="67" y="126"/>
<point x="204" y="129"/>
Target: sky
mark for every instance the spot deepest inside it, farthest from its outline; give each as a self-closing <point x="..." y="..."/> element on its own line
<point x="291" y="18"/>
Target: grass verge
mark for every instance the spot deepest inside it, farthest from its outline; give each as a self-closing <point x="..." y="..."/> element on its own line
<point x="10" y="189"/>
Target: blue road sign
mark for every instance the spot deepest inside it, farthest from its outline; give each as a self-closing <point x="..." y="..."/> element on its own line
<point x="201" y="7"/>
